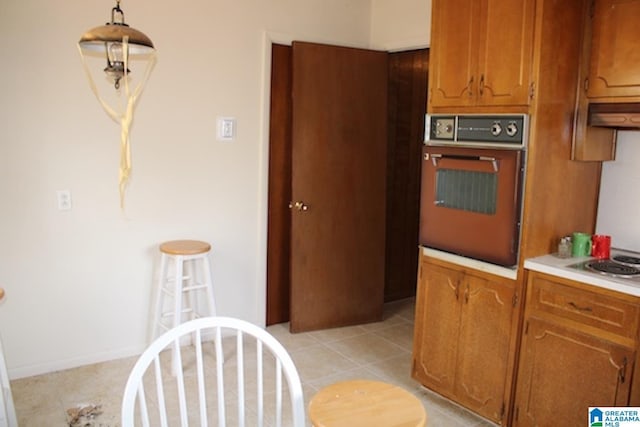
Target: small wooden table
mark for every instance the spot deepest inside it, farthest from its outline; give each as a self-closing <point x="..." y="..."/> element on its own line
<point x="363" y="403"/>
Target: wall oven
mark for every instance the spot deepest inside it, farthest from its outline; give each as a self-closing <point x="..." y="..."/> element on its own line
<point x="472" y="180"/>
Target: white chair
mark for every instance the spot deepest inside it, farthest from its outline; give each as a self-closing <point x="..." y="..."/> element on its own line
<point x="7" y="409"/>
<point x="232" y="375"/>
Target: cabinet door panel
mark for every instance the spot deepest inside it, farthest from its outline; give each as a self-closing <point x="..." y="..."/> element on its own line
<point x="615" y="57"/>
<point x="436" y="327"/>
<point x="453" y="53"/>
<point x="563" y="372"/>
<point x="505" y="50"/>
<point x="485" y="338"/>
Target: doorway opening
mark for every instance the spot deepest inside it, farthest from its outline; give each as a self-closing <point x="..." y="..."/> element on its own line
<point x="406" y="84"/>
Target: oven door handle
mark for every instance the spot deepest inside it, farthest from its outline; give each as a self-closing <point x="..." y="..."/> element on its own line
<point x="436" y="157"/>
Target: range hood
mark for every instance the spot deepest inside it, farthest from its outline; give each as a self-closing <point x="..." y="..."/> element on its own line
<point x="615" y="115"/>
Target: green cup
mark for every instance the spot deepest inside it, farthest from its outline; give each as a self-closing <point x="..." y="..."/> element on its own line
<point x="581" y="245"/>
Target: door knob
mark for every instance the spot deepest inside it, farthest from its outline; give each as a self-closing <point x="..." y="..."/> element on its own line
<point x="298" y="205"/>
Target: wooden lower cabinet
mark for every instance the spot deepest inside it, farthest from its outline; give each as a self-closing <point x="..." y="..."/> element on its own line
<point x="578" y="350"/>
<point x="564" y="371"/>
<point x="464" y="336"/>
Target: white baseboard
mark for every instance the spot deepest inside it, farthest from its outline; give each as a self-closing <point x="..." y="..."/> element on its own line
<point x="59" y="365"/>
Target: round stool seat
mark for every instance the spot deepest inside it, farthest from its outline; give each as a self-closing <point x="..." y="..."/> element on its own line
<point x="363" y="403"/>
<point x="185" y="247"/>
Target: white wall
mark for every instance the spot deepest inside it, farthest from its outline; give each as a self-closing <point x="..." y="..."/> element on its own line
<point x="79" y="283"/>
<point x="400" y="24"/>
<point x="619" y="204"/>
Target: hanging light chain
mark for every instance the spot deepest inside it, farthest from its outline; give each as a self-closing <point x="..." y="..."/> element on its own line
<point x="115" y="10"/>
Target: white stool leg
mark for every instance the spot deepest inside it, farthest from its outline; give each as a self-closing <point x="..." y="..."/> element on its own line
<point x="161" y="289"/>
<point x="191" y="272"/>
<point x="177" y="305"/>
<point x="211" y="301"/>
<point x="177" y="290"/>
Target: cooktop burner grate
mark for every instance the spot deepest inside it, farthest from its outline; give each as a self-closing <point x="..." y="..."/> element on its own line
<point x="627" y="260"/>
<point x="613" y="268"/>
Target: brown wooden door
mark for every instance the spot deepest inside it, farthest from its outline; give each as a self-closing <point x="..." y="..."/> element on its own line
<point x="339" y="137"/>
<point x="615" y="57"/>
<point x="279" y="215"/>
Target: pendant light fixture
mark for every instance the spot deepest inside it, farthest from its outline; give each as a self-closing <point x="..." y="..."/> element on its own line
<point x="110" y="39"/>
<point x="121" y="46"/>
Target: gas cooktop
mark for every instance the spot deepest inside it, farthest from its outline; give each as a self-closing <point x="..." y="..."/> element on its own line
<point x="621" y="265"/>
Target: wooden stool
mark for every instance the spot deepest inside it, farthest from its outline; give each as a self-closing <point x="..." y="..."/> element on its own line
<point x="185" y="273"/>
<point x="362" y="403"/>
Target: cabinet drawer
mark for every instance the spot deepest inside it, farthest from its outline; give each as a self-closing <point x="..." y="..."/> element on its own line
<point x="589" y="308"/>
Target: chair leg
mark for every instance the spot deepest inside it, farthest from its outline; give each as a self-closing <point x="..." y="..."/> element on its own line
<point x="8" y="416"/>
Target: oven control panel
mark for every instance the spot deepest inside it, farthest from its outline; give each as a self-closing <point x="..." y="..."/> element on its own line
<point x="499" y="130"/>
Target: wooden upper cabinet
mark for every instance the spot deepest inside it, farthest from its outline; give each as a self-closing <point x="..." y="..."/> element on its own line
<point x="505" y="52"/>
<point x="481" y="52"/>
<point x="453" y="52"/>
<point x="615" y="56"/>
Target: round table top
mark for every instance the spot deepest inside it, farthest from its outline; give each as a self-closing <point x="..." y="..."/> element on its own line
<point x="364" y="403"/>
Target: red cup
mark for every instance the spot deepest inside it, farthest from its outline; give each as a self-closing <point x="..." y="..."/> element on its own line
<point x="600" y="246"/>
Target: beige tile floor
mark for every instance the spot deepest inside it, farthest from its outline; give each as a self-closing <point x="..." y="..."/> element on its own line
<point x="379" y="351"/>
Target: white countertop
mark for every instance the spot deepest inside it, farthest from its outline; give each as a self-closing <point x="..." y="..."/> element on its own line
<point x="556" y="266"/>
<point x="550" y="264"/>
<point x="509" y="273"/>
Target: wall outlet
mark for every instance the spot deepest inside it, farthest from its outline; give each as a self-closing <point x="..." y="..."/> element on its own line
<point x="64" y="200"/>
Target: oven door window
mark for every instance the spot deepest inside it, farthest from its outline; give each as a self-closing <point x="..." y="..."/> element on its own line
<point x="471" y="191"/>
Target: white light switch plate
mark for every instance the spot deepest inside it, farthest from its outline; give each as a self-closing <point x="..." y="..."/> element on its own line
<point x="226" y="129"/>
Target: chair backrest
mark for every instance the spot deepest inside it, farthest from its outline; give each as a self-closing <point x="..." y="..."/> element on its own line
<point x="231" y="374"/>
